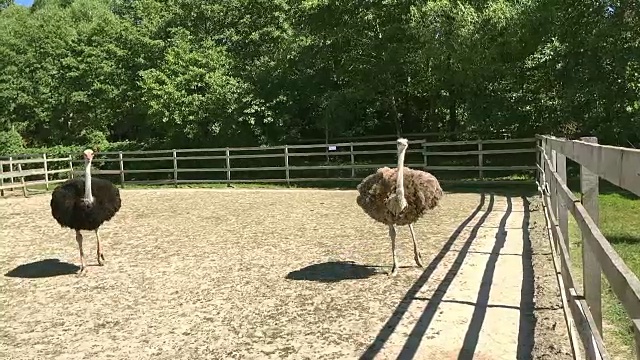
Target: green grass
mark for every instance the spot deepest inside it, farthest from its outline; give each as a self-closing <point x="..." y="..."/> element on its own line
<point x="620" y="224"/>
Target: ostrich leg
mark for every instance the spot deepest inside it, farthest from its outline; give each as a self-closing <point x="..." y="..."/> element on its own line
<point x="416" y="253"/>
<point x="392" y="235"/>
<point x="99" y="247"/>
<point x="83" y="265"/>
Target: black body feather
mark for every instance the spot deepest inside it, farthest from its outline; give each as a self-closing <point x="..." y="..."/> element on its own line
<point x="69" y="210"/>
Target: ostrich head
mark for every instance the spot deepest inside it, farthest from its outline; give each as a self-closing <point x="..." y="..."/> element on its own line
<point x="88" y="155"/>
<point x="403" y="144"/>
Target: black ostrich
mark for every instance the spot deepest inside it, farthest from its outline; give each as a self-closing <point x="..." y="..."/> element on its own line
<point x="84" y="204"/>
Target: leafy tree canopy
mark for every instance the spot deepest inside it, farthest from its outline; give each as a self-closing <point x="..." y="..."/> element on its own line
<point x="238" y="72"/>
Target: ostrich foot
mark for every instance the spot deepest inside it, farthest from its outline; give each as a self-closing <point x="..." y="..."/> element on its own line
<point x="82" y="271"/>
<point x="101" y="259"/>
<point x="416" y="252"/>
<point x="394" y="271"/>
<point x="99" y="252"/>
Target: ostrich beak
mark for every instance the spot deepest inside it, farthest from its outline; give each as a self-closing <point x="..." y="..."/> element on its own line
<point x="88" y="154"/>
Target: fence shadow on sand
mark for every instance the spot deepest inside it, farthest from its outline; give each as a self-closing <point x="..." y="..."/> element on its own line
<point x="527" y="322"/>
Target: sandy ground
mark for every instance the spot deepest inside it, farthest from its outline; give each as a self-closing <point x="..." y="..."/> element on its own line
<point x="278" y="274"/>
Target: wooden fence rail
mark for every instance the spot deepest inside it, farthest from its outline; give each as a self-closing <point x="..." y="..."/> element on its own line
<point x="583" y="305"/>
<point x="7" y="178"/>
<point x="174" y="165"/>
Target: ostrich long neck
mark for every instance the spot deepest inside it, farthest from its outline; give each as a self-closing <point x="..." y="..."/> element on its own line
<point x="400" y="180"/>
<point x="88" y="197"/>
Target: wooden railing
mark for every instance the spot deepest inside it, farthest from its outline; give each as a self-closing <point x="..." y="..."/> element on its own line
<point x="13" y="176"/>
<point x="583" y="307"/>
<point x="289" y="162"/>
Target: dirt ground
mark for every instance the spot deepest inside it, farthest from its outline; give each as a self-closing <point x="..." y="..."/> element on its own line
<point x="279" y="274"/>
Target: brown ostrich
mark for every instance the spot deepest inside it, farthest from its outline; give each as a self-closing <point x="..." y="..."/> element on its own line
<point x="399" y="196"/>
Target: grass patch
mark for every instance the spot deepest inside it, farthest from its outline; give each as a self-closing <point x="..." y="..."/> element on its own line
<point x="620" y="224"/>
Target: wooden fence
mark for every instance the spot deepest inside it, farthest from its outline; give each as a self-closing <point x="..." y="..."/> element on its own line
<point x="583" y="307"/>
<point x="14" y="176"/>
<point x="287" y="163"/>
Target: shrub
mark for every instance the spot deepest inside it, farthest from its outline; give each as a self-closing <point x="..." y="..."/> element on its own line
<point x="11" y="142"/>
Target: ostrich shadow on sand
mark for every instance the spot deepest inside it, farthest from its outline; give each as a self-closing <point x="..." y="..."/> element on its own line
<point x="43" y="269"/>
<point x="334" y="271"/>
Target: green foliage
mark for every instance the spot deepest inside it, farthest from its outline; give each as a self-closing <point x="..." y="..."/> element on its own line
<point x="191" y="94"/>
<point x="11" y="142"/>
<point x="95" y="143"/>
<point x="5" y="4"/>
<point x="96" y="140"/>
<point x="239" y="72"/>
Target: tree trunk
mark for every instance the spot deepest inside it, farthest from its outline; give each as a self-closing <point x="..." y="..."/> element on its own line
<point x="432" y="122"/>
<point x="326" y="141"/>
<point x="452" y="125"/>
<point x="396" y="116"/>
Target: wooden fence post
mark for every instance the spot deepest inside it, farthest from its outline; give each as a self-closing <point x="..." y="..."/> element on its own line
<point x="1" y="178"/>
<point x="547" y="153"/>
<point x="175" y="168"/>
<point x="228" y="166"/>
<point x="70" y="166"/>
<point x="24" y="185"/>
<point x="353" y="161"/>
<point x="592" y="271"/>
<point x="424" y="154"/>
<point x="286" y="164"/>
<point x="544" y="153"/>
<point x="121" y="163"/>
<point x="563" y="211"/>
<point x="480" y="160"/>
<point x="11" y="179"/>
<point x="548" y="184"/>
<point x="553" y="185"/>
<point x="540" y="161"/>
<point x="636" y="335"/>
<point x="46" y="171"/>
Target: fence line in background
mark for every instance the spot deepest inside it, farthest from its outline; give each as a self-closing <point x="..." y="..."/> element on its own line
<point x="18" y="172"/>
<point x="583" y="307"/>
<point x="347" y="153"/>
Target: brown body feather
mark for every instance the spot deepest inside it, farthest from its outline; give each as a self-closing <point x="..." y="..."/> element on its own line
<point x="422" y="191"/>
